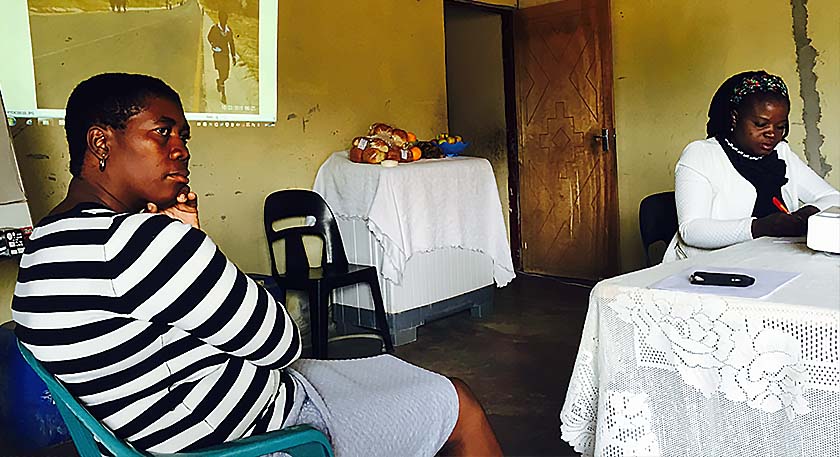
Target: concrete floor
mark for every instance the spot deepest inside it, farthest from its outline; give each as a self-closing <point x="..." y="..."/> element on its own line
<point x="518" y="361"/>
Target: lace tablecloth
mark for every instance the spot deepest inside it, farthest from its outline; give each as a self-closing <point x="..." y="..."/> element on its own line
<point x="666" y="373"/>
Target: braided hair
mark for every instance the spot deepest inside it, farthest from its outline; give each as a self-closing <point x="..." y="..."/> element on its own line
<point x="739" y="91"/>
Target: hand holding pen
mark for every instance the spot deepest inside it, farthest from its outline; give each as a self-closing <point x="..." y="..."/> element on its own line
<point x="802" y="213"/>
<point x="783" y="223"/>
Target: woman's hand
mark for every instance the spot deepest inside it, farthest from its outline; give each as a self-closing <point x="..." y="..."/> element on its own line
<point x="780" y="224"/>
<point x="805" y="212"/>
<point x="185" y="208"/>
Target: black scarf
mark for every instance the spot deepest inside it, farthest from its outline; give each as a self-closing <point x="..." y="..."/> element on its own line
<point x="766" y="174"/>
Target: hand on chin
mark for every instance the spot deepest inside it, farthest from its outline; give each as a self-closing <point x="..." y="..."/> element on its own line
<point x="183" y="208"/>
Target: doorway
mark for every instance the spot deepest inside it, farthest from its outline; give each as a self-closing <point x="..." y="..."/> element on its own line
<point x="531" y="89"/>
<point x="476" y="86"/>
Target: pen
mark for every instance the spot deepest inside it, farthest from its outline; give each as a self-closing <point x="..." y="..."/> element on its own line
<point x="780" y="205"/>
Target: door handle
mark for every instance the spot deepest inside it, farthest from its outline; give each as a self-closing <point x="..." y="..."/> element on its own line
<point x="604" y="139"/>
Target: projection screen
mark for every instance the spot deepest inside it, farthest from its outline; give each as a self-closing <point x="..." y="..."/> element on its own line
<point x="219" y="55"/>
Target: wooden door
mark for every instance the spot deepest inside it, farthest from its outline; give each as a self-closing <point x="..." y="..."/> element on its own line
<point x="567" y="183"/>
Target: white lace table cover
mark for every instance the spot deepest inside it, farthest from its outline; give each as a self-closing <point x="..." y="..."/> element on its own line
<point x="665" y="373"/>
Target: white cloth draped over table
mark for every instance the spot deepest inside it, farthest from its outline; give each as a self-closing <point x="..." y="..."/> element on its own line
<point x="667" y="373"/>
<point x="420" y="207"/>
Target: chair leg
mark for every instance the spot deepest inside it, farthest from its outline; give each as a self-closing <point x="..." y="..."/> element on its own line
<point x="379" y="312"/>
<point x="325" y="319"/>
<point x="318" y="323"/>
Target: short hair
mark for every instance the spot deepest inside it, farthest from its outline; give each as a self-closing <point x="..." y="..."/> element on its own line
<point x="738" y="92"/>
<point x="108" y="100"/>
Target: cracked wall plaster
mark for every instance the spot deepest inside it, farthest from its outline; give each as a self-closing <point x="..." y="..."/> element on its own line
<point x="806" y="59"/>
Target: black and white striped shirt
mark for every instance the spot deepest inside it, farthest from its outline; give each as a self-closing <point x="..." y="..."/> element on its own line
<point x="154" y="329"/>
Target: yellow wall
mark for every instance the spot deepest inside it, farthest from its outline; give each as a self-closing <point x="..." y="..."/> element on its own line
<point x="670" y="57"/>
<point x="333" y="73"/>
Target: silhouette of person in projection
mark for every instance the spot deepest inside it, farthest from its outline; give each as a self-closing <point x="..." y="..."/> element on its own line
<point x="220" y="37"/>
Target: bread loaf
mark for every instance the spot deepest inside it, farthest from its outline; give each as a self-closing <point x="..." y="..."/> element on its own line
<point x="399" y="137"/>
<point x="384" y="142"/>
<point x="368" y="150"/>
<point x="381" y="130"/>
<point x="394" y="153"/>
<point x="368" y="155"/>
<point x="361" y="142"/>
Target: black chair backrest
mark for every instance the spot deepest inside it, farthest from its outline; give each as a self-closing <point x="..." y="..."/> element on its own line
<point x="657" y="219"/>
<point x="293" y="203"/>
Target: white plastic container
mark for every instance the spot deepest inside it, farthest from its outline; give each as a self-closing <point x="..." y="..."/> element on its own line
<point x="824" y="230"/>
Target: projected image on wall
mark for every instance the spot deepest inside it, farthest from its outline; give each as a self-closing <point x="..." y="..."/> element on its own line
<point x="218" y="54"/>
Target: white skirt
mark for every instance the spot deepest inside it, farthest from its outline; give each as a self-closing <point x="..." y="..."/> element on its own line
<point x="377" y="406"/>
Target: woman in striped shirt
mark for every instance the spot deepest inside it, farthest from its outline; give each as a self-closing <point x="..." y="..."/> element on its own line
<point x="142" y="317"/>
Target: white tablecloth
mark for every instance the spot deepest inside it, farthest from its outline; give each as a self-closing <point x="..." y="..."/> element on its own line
<point x="420" y="207"/>
<point x="668" y="373"/>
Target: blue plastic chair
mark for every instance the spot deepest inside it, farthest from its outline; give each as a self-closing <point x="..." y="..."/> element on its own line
<point x="297" y="441"/>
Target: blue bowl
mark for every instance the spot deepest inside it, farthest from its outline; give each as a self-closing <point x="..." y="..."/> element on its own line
<point x="453" y="149"/>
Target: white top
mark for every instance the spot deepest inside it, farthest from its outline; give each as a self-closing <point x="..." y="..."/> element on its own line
<point x="420" y="207"/>
<point x="715" y="203"/>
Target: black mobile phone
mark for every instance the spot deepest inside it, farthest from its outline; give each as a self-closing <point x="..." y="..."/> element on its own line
<point x="708" y="278"/>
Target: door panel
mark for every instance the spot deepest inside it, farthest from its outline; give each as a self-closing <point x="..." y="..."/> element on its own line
<point x="568" y="208"/>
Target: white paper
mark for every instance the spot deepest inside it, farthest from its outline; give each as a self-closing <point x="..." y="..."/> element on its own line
<point x="766" y="282"/>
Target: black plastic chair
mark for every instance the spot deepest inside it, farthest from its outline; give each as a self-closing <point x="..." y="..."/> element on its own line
<point x="657" y="221"/>
<point x="335" y="272"/>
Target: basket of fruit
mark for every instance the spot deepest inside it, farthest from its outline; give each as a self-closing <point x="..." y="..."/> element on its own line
<point x="451" y="145"/>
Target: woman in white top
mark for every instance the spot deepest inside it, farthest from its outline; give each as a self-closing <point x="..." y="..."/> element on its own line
<point x="736" y="184"/>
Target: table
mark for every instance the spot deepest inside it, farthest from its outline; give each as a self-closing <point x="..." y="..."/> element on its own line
<point x="668" y="373"/>
<point x="421" y="206"/>
<point x="433" y="228"/>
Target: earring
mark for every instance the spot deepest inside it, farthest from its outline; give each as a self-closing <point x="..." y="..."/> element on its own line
<point x="102" y="162"/>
